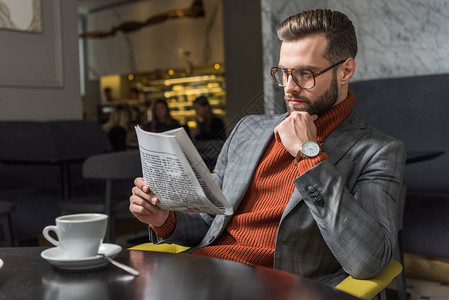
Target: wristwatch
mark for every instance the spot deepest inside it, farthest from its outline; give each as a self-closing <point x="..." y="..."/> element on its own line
<point x="309" y="149"/>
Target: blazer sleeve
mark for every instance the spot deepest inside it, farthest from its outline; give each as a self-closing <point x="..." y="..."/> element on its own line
<point x="358" y="220"/>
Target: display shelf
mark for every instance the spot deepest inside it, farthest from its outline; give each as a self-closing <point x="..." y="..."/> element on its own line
<point x="181" y="92"/>
<point x="175" y="86"/>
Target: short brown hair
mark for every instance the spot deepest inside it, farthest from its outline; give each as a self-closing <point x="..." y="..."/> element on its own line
<point x="338" y="28"/>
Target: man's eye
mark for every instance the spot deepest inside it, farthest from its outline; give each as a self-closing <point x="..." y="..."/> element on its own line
<point x="305" y="73"/>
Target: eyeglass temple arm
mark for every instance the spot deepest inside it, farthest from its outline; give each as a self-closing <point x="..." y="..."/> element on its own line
<point x="329" y="68"/>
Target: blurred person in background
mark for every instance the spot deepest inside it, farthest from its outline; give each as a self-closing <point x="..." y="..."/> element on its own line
<point x="162" y="119"/>
<point x="117" y="127"/>
<point x="210" y="126"/>
<point x="108" y="97"/>
<point x="134" y="94"/>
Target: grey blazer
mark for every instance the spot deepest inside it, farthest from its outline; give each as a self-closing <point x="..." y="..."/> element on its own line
<point x="342" y="216"/>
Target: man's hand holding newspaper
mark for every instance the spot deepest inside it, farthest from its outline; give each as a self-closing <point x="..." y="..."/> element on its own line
<point x="174" y="178"/>
<point x="143" y="205"/>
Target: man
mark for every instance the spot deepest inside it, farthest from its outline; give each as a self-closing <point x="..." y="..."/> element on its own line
<point x="108" y="95"/>
<point x="314" y="191"/>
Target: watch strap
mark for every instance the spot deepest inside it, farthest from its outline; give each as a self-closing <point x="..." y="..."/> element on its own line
<point x="298" y="157"/>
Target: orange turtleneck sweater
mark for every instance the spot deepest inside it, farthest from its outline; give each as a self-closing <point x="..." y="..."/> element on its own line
<point x="250" y="235"/>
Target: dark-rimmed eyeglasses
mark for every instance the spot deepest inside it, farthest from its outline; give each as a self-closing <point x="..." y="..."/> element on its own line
<point x="304" y="78"/>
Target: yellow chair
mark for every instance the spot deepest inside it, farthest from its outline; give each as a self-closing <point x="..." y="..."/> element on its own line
<point x="369" y="288"/>
<point x="363" y="289"/>
<point x="167" y="248"/>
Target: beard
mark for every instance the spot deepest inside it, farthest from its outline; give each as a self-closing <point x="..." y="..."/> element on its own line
<point x="318" y="106"/>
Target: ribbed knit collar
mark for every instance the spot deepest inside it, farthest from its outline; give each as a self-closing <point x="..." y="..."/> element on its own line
<point x="331" y="119"/>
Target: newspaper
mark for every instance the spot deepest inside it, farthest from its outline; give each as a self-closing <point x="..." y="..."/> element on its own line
<point x="177" y="175"/>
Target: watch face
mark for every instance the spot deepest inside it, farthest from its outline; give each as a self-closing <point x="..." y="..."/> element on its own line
<point x="310" y="149"/>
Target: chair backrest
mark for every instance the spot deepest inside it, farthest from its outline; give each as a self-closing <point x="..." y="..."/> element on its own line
<point x="114" y="165"/>
<point x="52" y="140"/>
<point x="25" y="139"/>
<point x="79" y="138"/>
<point x="414" y="110"/>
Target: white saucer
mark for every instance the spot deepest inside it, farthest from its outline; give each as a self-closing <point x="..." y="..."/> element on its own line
<point x="1" y="263"/>
<point x="57" y="257"/>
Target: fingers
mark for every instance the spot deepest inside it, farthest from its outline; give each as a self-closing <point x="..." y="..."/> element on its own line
<point x="276" y="134"/>
<point x="147" y="212"/>
<point x="144" y="209"/>
<point x="142" y="206"/>
<point x="145" y="195"/>
<point x="302" y="115"/>
<point x="142" y="198"/>
<point x="139" y="182"/>
<point x="296" y="129"/>
<point x="301" y="120"/>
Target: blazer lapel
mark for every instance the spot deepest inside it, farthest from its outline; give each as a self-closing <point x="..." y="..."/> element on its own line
<point x="344" y="137"/>
<point x="249" y="160"/>
<point x="335" y="146"/>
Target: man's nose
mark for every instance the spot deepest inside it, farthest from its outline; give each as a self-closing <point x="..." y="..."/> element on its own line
<point x="291" y="87"/>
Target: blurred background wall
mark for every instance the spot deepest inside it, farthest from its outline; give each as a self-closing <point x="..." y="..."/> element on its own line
<point x="39" y="78"/>
<point x="174" y="43"/>
<point x="39" y="72"/>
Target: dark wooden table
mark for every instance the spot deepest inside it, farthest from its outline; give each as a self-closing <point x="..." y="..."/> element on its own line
<point x="25" y="275"/>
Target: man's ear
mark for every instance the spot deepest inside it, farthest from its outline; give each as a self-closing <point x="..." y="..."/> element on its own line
<point x="347" y="71"/>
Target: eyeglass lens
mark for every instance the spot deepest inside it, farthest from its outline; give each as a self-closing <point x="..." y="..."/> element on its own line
<point x="303" y="78"/>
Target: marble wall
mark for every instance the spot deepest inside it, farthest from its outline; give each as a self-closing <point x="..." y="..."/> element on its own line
<point x="396" y="38"/>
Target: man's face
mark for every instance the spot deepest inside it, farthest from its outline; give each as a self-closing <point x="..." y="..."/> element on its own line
<point x="308" y="53"/>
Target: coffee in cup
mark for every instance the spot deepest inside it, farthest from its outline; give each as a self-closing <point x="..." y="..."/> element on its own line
<point x="79" y="235"/>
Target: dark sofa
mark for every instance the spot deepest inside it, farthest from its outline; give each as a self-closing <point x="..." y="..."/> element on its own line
<point x="416" y="110"/>
<point x="31" y="154"/>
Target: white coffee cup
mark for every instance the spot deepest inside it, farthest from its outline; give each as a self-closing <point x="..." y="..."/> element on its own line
<point x="79" y="235"/>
